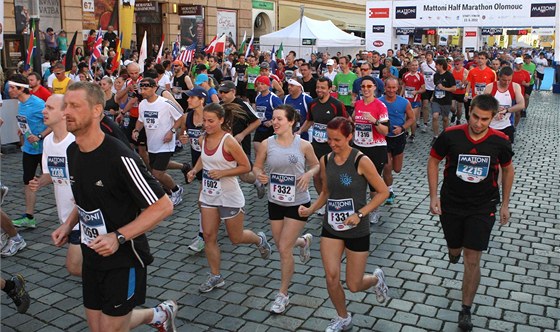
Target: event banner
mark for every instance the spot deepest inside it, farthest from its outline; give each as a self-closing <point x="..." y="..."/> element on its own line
<point x="379" y="28"/>
<point x="226" y="21"/>
<point x="480" y="13"/>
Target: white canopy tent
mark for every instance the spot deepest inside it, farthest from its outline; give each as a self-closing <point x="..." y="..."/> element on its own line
<point x="310" y="36"/>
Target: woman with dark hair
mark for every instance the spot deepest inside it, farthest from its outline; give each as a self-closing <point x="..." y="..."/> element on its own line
<point x="90" y="41"/>
<point x="346" y="173"/>
<point x="222" y="159"/>
<point x="291" y="164"/>
<point x="78" y="55"/>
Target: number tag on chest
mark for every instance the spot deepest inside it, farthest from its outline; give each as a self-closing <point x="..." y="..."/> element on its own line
<point x="92" y="224"/>
<point x="283" y="187"/>
<point x="57" y="169"/>
<point x="194" y="134"/>
<point x="363" y="134"/>
<point x="151" y="119"/>
<point x="409" y="92"/>
<point x="337" y="212"/>
<point x="211" y="187"/>
<point x="320" y="132"/>
<point x="472" y="168"/>
<point x="438" y="93"/>
<point x="343" y="89"/>
<point x="479" y="88"/>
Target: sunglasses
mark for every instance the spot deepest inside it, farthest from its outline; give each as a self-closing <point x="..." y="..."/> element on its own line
<point x="224" y="91"/>
<point x="59" y="73"/>
<point x="364" y="69"/>
<point x="146" y="85"/>
<point x="367" y="86"/>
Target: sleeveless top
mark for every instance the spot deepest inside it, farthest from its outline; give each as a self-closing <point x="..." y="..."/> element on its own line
<point x="347" y="195"/>
<point x="221" y="192"/>
<point x="287" y="165"/>
<point x="194" y="133"/>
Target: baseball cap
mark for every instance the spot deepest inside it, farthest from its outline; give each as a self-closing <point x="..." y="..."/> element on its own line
<point x="178" y="63"/>
<point x="201" y="78"/>
<point x="330" y="62"/>
<point x="264" y="65"/>
<point x="518" y="60"/>
<point x="263" y="79"/>
<point x="197" y="91"/>
<point x="449" y="58"/>
<point x="227" y="86"/>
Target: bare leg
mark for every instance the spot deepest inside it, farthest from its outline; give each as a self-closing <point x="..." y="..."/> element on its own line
<point x="331" y="254"/>
<point x="286" y="236"/>
<point x="471" y="278"/>
<point x="30" y="199"/>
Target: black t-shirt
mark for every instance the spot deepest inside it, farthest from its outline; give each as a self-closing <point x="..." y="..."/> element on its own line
<point x="111" y="186"/>
<point x="377" y="71"/>
<point x="447" y="80"/>
<point x="240" y="70"/>
<point x="470" y="182"/>
<point x="402" y="71"/>
<point x="181" y="98"/>
<point x="240" y="124"/>
<point x="216" y="74"/>
<point x="111" y="104"/>
<point x="310" y="87"/>
<point x="322" y="113"/>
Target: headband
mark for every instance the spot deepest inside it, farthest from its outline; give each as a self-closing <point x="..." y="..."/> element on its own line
<point x="294" y="82"/>
<point x="21" y="85"/>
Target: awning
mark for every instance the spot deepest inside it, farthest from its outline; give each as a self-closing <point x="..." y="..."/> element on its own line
<point x="343" y="20"/>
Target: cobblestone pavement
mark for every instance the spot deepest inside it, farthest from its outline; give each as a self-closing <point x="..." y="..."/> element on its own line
<point x="519" y="289"/>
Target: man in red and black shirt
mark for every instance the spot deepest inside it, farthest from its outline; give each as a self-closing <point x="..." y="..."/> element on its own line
<point x="474" y="154"/>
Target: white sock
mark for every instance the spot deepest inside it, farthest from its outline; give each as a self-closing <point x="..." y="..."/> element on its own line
<point x="159" y="316"/>
<point x="200" y="223"/>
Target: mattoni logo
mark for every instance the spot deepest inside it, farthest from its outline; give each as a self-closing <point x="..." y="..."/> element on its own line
<point x="379" y="13"/>
<point x="378" y="29"/>
<point x="378" y="43"/>
<point x="543" y="9"/>
<point x="408" y="12"/>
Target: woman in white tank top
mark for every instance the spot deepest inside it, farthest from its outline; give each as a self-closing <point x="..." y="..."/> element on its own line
<point x="222" y="160"/>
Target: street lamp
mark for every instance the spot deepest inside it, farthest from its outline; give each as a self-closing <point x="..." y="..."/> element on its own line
<point x="34" y="17"/>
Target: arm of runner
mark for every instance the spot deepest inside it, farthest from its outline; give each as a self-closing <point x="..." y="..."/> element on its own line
<point x="136" y="132"/>
<point x="323" y="196"/>
<point x="196" y="168"/>
<point x="368" y="170"/>
<point x="258" y="167"/>
<point x="507" y="183"/>
<point x="39" y="182"/>
<point x="247" y="131"/>
<point x="243" y="166"/>
<point x="189" y="82"/>
<point x="60" y="235"/>
<point x="519" y="99"/>
<point x="433" y="169"/>
<point x="305" y="127"/>
<point x="312" y="165"/>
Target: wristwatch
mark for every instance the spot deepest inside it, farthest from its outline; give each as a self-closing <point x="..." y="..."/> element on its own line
<point x="173" y="130"/>
<point x="376" y="123"/>
<point x="40" y="137"/>
<point x="120" y="237"/>
<point x="360" y="215"/>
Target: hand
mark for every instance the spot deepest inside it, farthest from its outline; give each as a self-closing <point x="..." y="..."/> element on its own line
<point x="303" y="181"/>
<point x="216" y="174"/>
<point x="304" y="211"/>
<point x="34" y="184"/>
<point x="168" y="137"/>
<point x="370" y="117"/>
<point x="239" y="137"/>
<point x="191" y="175"/>
<point x="135" y="135"/>
<point x="504" y="214"/>
<point x="32" y="138"/>
<point x="60" y="235"/>
<point x="352" y="220"/>
<point x="397" y="130"/>
<point x="263" y="178"/>
<point x="184" y="139"/>
<point x="440" y="86"/>
<point x="267" y="123"/>
<point x="105" y="245"/>
<point x="119" y="118"/>
<point x="435" y="206"/>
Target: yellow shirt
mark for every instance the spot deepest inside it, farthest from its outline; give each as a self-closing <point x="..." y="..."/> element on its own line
<point x="59" y="87"/>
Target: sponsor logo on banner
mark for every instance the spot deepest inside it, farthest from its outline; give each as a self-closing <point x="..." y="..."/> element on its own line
<point x="543" y="9"/>
<point x="408" y="12"/>
<point x="492" y="31"/>
<point x="470" y="34"/>
<point x="405" y="31"/>
<point x="378" y="29"/>
<point x="378" y="43"/>
<point x="379" y="13"/>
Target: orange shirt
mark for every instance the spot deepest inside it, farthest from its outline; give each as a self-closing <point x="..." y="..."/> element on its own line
<point x="479" y="78"/>
<point x="459" y="75"/>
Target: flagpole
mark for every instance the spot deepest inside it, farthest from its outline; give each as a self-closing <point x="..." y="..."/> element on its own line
<point x="300" y="24"/>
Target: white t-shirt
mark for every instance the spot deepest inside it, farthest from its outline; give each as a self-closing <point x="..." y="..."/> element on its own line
<point x="50" y="80"/>
<point x="428" y="70"/>
<point x="541" y="63"/>
<point x="158" y="119"/>
<point x="163" y="81"/>
<point x="55" y="163"/>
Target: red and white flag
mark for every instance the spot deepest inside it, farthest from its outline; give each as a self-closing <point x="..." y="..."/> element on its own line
<point x="217" y="45"/>
<point x="160" y="52"/>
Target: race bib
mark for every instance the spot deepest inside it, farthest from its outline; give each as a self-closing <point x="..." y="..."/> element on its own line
<point x="282" y="187"/>
<point x="194" y="134"/>
<point x="177" y="92"/>
<point x="151" y="119"/>
<point x="472" y="168"/>
<point x="210" y="186"/>
<point x="459" y="84"/>
<point x="409" y="92"/>
<point x="363" y="135"/>
<point x="251" y="78"/>
<point x="429" y="76"/>
<point x="261" y="112"/>
<point x="479" y="88"/>
<point x="343" y="89"/>
<point x="92" y="224"/>
<point x="438" y="93"/>
<point x="109" y="115"/>
<point x="375" y="73"/>
<point x="23" y="125"/>
<point x="337" y="212"/>
<point x="320" y="132"/>
<point x="57" y="169"/>
<point x="240" y="76"/>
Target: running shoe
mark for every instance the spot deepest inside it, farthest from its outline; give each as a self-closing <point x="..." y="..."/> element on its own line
<point x="264" y="247"/>
<point x="305" y="251"/>
<point x="13" y="246"/>
<point x="411" y="139"/>
<point x="25" y="222"/>
<point x="381" y="288"/>
<point x="424" y="128"/>
<point x="3" y="192"/>
<point x="197" y="245"/>
<point x="185" y="170"/>
<point x="465" y="322"/>
<point x="19" y="295"/>
<point x="280" y="303"/>
<point x="391" y="199"/>
<point x="213" y="281"/>
<point x="170" y="308"/>
<point x="374" y="217"/>
<point x="4" y="239"/>
<point x="340" y="324"/>
<point x="177" y="196"/>
<point x="260" y="190"/>
<point x="453" y="117"/>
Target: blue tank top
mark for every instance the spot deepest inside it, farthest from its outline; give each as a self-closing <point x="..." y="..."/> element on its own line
<point x="397" y="113"/>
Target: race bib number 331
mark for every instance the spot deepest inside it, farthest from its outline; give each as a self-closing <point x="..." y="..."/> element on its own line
<point x="337" y="212"/>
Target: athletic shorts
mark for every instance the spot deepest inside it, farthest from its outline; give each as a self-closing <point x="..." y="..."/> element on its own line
<point x="396" y="144"/>
<point x="443" y="110"/>
<point x="260" y="136"/>
<point x="378" y="155"/>
<point x="416" y="104"/>
<point x="471" y="231"/>
<point x="539" y="75"/>
<point x="160" y="160"/>
<point x="427" y="95"/>
<point x="30" y="163"/>
<point x="251" y="95"/>
<point x="321" y="149"/>
<point x="458" y="97"/>
<point x="115" y="292"/>
<point x="510" y="132"/>
<point x="224" y="211"/>
<point x="279" y="212"/>
<point x="359" y="244"/>
<point x="529" y="89"/>
<point x="141" y="141"/>
<point x="75" y="237"/>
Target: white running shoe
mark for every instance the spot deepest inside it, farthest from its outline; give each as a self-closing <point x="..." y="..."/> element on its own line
<point x="177" y="196"/>
<point x="280" y="303"/>
<point x="264" y="248"/>
<point x="305" y="251"/>
<point x="170" y="308"/>
<point x="322" y="211"/>
<point x="213" y="281"/>
<point x="374" y="217"/>
<point x="340" y="324"/>
<point x="197" y="245"/>
<point x="13" y="246"/>
<point x="381" y="288"/>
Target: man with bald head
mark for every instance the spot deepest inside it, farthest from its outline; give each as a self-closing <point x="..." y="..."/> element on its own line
<point x="55" y="171"/>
